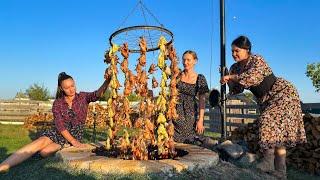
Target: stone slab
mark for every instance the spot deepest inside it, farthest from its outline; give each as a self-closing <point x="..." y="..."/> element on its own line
<point x="84" y="159"/>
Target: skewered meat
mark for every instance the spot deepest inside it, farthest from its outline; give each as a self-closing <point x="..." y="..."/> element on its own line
<point x="143" y="45"/>
<point x="125" y="51"/>
<point x="154" y="83"/>
<point x="142" y="60"/>
<point x="152" y="68"/>
<point x="124" y="65"/>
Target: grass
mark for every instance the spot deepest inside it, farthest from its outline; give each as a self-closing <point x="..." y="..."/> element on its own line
<point x="13" y="137"/>
<point x="213" y="135"/>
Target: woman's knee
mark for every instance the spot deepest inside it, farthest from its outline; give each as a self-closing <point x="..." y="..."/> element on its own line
<point x="45" y="153"/>
<point x="280" y="151"/>
<point x="49" y="150"/>
<point x="39" y="143"/>
<point x="44" y="140"/>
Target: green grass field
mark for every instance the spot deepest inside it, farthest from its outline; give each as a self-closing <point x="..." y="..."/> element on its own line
<point x="13" y="137"/>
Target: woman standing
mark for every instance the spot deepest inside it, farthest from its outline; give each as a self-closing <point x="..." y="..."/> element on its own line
<point x="69" y="112"/>
<point x="190" y="109"/>
<point x="280" y="123"/>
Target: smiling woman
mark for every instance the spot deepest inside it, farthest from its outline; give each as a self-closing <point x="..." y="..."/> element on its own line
<point x="192" y="88"/>
<point x="280" y="122"/>
<point x="69" y="111"/>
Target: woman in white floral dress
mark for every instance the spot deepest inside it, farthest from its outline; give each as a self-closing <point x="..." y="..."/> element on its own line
<point x="280" y="123"/>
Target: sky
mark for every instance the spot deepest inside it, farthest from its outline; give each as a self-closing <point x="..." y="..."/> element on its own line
<point x="39" y="39"/>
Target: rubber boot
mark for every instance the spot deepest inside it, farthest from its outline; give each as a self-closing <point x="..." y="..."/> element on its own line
<point x="266" y="164"/>
<point x="280" y="166"/>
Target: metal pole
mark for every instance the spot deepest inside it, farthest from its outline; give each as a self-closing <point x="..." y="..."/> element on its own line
<point x="222" y="69"/>
<point x="94" y="133"/>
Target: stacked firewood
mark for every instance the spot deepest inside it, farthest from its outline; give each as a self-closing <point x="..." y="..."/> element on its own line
<point x="98" y="114"/>
<point x="39" y="119"/>
<point x="249" y="134"/>
<point x="43" y="121"/>
<point x="303" y="156"/>
<point x="307" y="156"/>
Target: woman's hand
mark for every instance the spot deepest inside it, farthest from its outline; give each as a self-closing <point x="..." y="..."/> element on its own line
<point x="199" y="127"/>
<point x="77" y="144"/>
<point x="227" y="78"/>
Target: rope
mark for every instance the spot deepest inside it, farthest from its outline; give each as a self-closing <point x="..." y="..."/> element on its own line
<point x="131" y="12"/>
<point x="142" y="9"/>
<point x="154" y="17"/>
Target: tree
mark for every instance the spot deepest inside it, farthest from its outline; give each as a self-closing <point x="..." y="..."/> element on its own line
<point x="133" y="97"/>
<point x="250" y="96"/>
<point x="21" y="94"/>
<point x="37" y="92"/>
<point x="313" y="72"/>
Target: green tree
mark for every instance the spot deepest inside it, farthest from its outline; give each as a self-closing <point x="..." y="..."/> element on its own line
<point x="313" y="72"/>
<point x="21" y="94"/>
<point x="37" y="92"/>
<point x="133" y="97"/>
<point x="250" y="96"/>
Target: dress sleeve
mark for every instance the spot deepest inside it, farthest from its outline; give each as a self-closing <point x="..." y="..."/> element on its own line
<point x="254" y="74"/>
<point x="91" y="96"/>
<point x="234" y="88"/>
<point x="202" y="85"/>
<point x="57" y="115"/>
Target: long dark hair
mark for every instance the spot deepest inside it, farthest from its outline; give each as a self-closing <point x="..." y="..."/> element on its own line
<point x="242" y="42"/>
<point x="61" y="77"/>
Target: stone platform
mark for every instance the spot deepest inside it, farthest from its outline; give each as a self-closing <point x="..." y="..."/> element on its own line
<point x="84" y="159"/>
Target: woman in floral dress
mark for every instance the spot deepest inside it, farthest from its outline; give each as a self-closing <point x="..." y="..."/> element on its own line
<point x="280" y="123"/>
<point x="190" y="109"/>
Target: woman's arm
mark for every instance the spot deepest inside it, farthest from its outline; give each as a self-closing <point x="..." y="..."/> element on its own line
<point x="200" y="127"/>
<point x="232" y="80"/>
<point x="71" y="139"/>
<point x="103" y="88"/>
<point x="94" y="96"/>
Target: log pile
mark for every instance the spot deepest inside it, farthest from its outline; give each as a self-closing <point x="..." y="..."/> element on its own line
<point x="43" y="121"/>
<point x="307" y="156"/>
<point x="40" y="119"/>
<point x="99" y="114"/>
<point x="303" y="156"/>
<point x="248" y="134"/>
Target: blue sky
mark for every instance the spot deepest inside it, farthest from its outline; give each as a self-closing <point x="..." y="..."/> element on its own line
<point x="39" y="39"/>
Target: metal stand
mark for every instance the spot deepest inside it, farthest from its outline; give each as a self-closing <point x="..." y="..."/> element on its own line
<point x="94" y="134"/>
<point x="222" y="69"/>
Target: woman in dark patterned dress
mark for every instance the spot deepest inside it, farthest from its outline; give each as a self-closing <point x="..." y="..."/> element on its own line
<point x="280" y="123"/>
<point x="189" y="108"/>
<point x="69" y="112"/>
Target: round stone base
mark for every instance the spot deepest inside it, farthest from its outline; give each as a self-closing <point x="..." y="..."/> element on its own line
<point x="84" y="159"/>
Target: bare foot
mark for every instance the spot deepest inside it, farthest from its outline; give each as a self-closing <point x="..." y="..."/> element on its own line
<point x="4" y="168"/>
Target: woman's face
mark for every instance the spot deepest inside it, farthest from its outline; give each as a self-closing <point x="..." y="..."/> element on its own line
<point x="239" y="54"/>
<point x="188" y="61"/>
<point x="68" y="86"/>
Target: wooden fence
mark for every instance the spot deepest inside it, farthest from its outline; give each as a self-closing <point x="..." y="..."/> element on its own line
<point x="237" y="116"/>
<point x="18" y="110"/>
<point x="238" y="113"/>
<point x="241" y="114"/>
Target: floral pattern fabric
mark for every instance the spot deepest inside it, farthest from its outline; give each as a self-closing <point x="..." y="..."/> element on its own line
<point x="187" y="109"/>
<point x="281" y="121"/>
